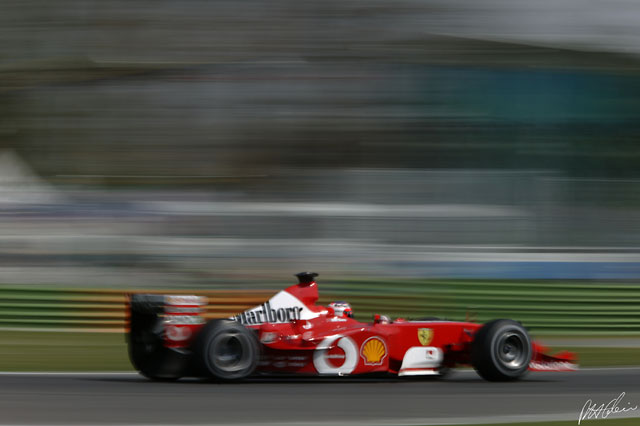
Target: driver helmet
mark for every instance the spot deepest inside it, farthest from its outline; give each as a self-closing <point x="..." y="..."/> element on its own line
<point x="341" y="309"/>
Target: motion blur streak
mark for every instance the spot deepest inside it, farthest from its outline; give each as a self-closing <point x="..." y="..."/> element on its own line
<point x="212" y="143"/>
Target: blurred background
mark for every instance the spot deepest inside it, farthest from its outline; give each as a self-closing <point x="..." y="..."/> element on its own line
<point x="452" y="157"/>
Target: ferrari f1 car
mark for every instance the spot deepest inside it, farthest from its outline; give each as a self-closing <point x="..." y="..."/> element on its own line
<point x="169" y="338"/>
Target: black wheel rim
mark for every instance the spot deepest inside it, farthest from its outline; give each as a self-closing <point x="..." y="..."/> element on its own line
<point x="512" y="350"/>
<point x="229" y="352"/>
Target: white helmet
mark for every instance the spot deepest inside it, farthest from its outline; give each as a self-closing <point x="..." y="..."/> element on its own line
<point x="341" y="309"/>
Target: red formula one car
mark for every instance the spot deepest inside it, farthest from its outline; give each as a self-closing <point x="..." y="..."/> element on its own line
<point x="168" y="338"/>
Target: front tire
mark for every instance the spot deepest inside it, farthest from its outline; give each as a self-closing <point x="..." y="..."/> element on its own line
<point x="226" y="350"/>
<point x="501" y="350"/>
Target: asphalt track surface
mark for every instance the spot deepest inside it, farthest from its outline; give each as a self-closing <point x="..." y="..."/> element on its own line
<point x="94" y="398"/>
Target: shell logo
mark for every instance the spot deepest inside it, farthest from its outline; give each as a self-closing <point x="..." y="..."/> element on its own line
<point x="373" y="351"/>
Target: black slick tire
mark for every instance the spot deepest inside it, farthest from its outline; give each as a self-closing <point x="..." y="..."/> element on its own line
<point x="501" y="351"/>
<point x="226" y="350"/>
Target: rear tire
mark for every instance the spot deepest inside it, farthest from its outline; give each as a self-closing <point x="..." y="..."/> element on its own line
<point x="226" y="350"/>
<point x="501" y="350"/>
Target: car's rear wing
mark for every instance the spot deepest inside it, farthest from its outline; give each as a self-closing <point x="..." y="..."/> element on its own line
<point x="172" y="319"/>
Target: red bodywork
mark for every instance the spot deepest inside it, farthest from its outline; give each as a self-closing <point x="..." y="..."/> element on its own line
<point x="302" y="337"/>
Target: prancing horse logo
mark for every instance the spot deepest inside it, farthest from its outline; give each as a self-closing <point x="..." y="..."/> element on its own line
<point x="425" y="335"/>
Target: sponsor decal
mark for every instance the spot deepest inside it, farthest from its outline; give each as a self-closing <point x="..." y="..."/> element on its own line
<point x="182" y="310"/>
<point x="265" y="313"/>
<point x="373" y="351"/>
<point x="268" y="337"/>
<point x="185" y="300"/>
<point x="433" y="354"/>
<point x="281" y="308"/>
<point x="183" y="320"/>
<point x="425" y="336"/>
<point x="552" y="366"/>
<point x="295" y="361"/>
<point x="178" y="334"/>
<point x="298" y="358"/>
<point x="326" y="360"/>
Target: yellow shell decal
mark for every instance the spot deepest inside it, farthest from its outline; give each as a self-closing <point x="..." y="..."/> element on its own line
<point x="373" y="351"/>
<point x="425" y="335"/>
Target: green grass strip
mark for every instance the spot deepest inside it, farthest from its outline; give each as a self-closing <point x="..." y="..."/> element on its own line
<point x="60" y="351"/>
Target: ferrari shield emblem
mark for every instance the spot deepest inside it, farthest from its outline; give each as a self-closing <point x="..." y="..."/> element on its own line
<point x="425" y="335"/>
